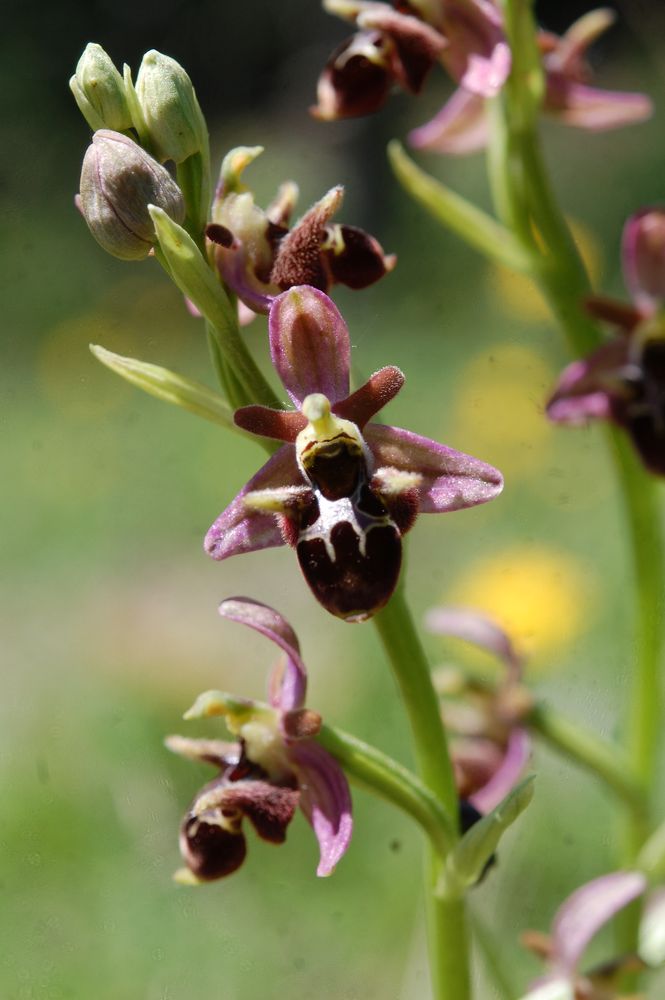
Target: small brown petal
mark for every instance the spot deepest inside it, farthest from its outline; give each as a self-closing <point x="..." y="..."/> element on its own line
<point x="281" y="425"/>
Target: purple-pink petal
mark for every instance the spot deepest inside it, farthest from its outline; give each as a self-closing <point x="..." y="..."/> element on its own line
<point x="451" y="480"/>
<point x="460" y="127"/>
<point x="470" y="625"/>
<point x="267" y="621"/>
<point x="584" y="389"/>
<point x="238" y="529"/>
<point x="236" y="270"/>
<point x="325" y="800"/>
<point x="587" y="910"/>
<point x="579" y="409"/>
<point x="592" y="108"/>
<point x="309" y="344"/>
<point x="507" y="774"/>
<point x="643" y="255"/>
<point x="478" y="56"/>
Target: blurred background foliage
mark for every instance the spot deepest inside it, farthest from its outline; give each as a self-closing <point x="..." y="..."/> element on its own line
<point x="107" y="613"/>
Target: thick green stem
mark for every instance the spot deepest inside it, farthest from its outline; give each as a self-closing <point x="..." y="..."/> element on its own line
<point x="562" y="279"/>
<point x="643" y="510"/>
<point x="447" y="938"/>
<point x="189" y="269"/>
<point x="407" y="657"/>
<point x="387" y="778"/>
<point x="449" y="953"/>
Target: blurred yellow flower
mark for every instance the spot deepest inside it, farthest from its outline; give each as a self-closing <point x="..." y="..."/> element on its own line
<point x="517" y="293"/>
<point x="541" y="596"/>
<point x="498" y="411"/>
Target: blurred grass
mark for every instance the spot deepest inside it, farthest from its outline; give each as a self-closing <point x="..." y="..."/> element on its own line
<point x="107" y="610"/>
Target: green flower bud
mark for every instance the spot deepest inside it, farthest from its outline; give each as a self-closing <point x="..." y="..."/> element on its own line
<point x="99" y="91"/>
<point x="174" y="120"/>
<point x="119" y="180"/>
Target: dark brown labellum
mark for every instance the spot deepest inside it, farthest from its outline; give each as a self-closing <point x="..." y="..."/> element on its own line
<point x="644" y="415"/>
<point x="350" y="553"/>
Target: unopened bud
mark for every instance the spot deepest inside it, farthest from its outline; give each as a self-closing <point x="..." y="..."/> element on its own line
<point x="172" y="114"/>
<point x="118" y="182"/>
<point x="99" y="91"/>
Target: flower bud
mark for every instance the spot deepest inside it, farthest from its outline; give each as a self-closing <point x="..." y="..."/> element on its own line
<point x="170" y="108"/>
<point x="119" y="180"/>
<point x="99" y="91"/>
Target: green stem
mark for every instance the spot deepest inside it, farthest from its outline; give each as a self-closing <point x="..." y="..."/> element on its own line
<point x="193" y="176"/>
<point x="382" y="775"/>
<point x="404" y="650"/>
<point x="643" y="510"/>
<point x="446" y="920"/>
<point x="562" y="279"/>
<point x="591" y="752"/>
<point x="447" y="938"/>
<point x="188" y="268"/>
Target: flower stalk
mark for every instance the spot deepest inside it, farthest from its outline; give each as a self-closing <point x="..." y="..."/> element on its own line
<point x="562" y="278"/>
<point x="446" y="918"/>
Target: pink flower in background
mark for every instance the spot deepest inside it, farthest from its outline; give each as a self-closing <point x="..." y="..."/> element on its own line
<point x="624" y="380"/>
<point x="461" y="125"/>
<point x="400" y="46"/>
<point x="490" y="745"/>
<point x="575" y="923"/>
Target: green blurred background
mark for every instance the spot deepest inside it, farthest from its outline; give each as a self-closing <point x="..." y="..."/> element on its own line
<point x="108" y="612"/>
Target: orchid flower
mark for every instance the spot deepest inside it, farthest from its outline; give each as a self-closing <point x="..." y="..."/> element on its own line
<point x="257" y="255"/>
<point x="275" y="765"/>
<point x="576" y="922"/>
<point x="624" y="380"/>
<point x="490" y="746"/>
<point x="461" y="126"/>
<point x="340" y="490"/>
<point x="400" y="46"/>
